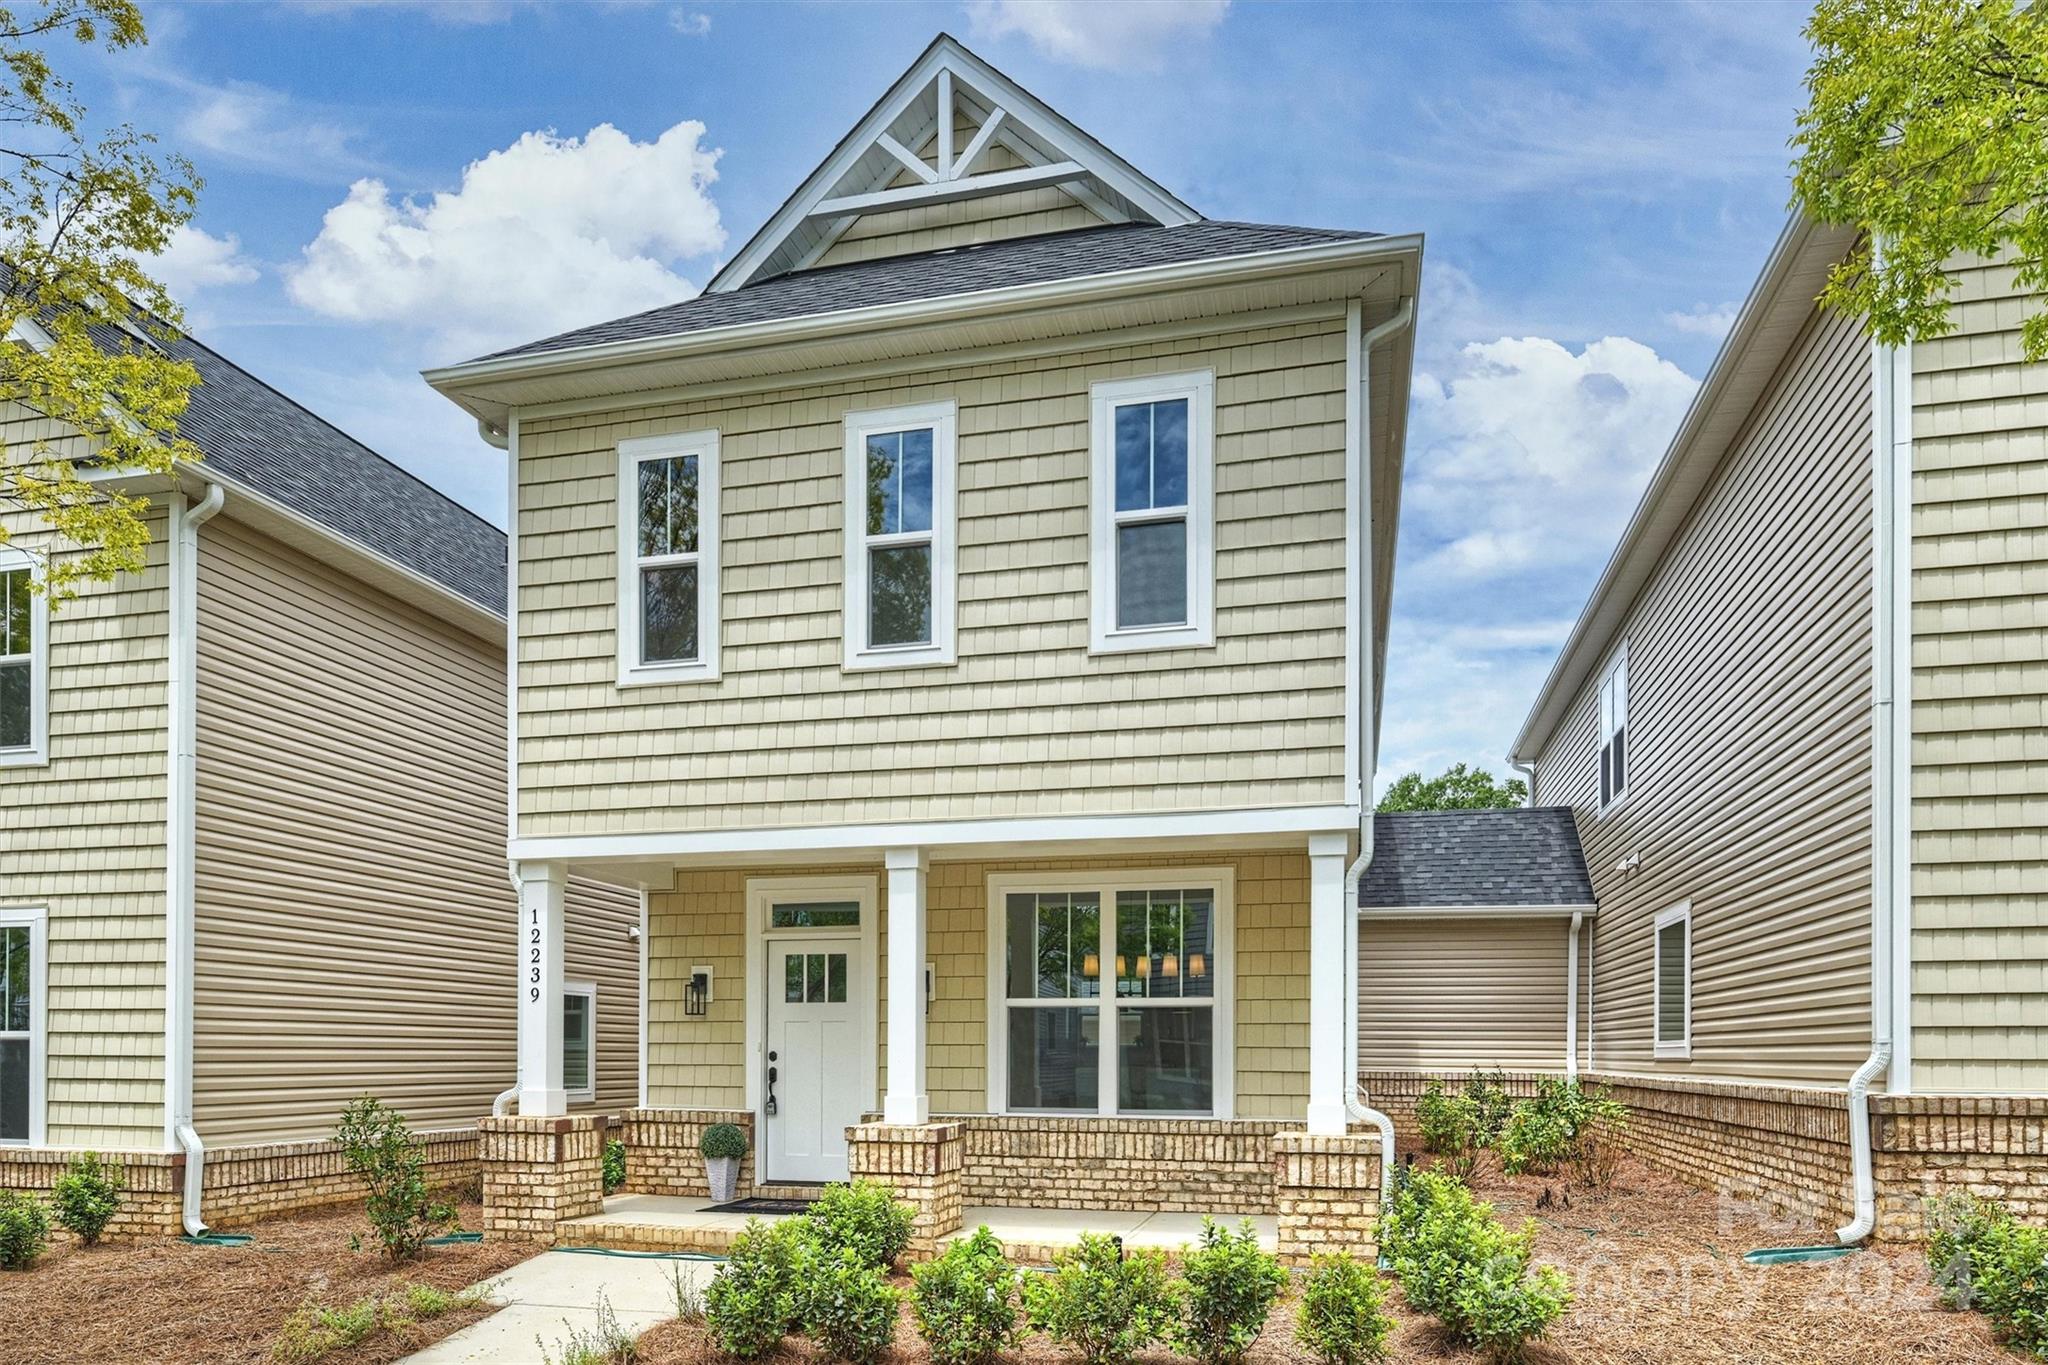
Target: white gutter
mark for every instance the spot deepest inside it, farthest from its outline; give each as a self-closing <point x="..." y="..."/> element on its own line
<point x="1891" y="763"/>
<point x="180" y="883"/>
<point x="1358" y="421"/>
<point x="1571" y="996"/>
<point x="1528" y="772"/>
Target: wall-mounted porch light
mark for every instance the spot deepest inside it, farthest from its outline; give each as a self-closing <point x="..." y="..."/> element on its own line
<point x="697" y="994"/>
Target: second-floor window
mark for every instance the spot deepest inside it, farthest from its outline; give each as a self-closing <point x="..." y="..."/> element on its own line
<point x="1614" y="731"/>
<point x="1152" y="580"/>
<point x="24" y="620"/>
<point x="668" y="558"/>
<point x="900" y="509"/>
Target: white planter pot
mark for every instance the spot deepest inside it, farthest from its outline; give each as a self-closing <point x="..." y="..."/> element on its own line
<point x="723" y="1174"/>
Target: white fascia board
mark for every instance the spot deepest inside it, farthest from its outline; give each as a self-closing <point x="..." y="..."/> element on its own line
<point x="1451" y="912"/>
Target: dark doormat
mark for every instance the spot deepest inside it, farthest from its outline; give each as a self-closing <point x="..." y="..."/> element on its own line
<point x="760" y="1206"/>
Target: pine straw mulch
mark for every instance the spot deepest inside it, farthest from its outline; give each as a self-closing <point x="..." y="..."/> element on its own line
<point x="1659" y="1280"/>
<point x="172" y="1304"/>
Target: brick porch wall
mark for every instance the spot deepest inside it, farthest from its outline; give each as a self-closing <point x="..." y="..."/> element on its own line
<point x="1168" y="1165"/>
<point x="662" y="1155"/>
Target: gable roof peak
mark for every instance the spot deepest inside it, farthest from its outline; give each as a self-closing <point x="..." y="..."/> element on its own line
<point x="946" y="84"/>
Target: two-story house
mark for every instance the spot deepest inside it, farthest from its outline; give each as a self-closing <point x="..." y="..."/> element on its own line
<point x="965" y="618"/>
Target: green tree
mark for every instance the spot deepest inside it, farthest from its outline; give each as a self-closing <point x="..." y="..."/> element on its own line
<point x="1926" y="126"/>
<point x="83" y="325"/>
<point x="1455" y="788"/>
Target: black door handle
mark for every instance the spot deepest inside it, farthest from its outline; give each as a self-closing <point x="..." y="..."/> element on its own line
<point x="769" y="1107"/>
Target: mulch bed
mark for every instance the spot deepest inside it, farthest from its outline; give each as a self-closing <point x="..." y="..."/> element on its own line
<point x="1659" y="1280"/>
<point x="173" y="1304"/>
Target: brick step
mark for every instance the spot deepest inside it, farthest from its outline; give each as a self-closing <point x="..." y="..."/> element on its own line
<point x="621" y="1235"/>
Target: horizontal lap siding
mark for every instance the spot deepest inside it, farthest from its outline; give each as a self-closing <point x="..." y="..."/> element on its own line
<point x="1506" y="978"/>
<point x="1027" y="723"/>
<point x="1980" y="697"/>
<point x="1748" y="748"/>
<point x="355" y="924"/>
<point x="84" y="836"/>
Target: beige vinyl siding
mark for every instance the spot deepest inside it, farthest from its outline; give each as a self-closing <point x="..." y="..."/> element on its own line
<point x="1027" y="722"/>
<point x="1450" y="994"/>
<point x="1980" y="697"/>
<point x="356" y="927"/>
<point x="701" y="1062"/>
<point x="84" y="836"/>
<point x="1748" y="748"/>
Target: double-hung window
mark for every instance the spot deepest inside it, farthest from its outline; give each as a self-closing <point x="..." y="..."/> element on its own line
<point x="579" y="1040"/>
<point x="900" y="511"/>
<point x="22" y="975"/>
<point x="1672" y="997"/>
<point x="668" y="558"/>
<point x="1152" y="583"/>
<point x="1116" y="991"/>
<point x="24" y="663"/>
<point x="1614" y="731"/>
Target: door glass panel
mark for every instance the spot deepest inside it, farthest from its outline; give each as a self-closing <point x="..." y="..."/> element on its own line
<point x="835" y="978"/>
<point x="793" y="978"/>
<point x="1164" y="1060"/>
<point x="1055" y="1054"/>
<point x="814" y="979"/>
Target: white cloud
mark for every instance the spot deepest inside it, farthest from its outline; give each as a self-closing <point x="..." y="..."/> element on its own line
<point x="547" y="234"/>
<point x="1098" y="33"/>
<point x="253" y="125"/>
<point x="690" y="23"/>
<point x="1707" y="320"/>
<point x="195" y="259"/>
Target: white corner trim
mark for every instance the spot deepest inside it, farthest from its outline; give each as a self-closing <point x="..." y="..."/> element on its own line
<point x="1105" y="636"/>
<point x="36" y="919"/>
<point x="942" y="419"/>
<point x="632" y="453"/>
<point x="761" y="894"/>
<point x="35" y="753"/>
<point x="1681" y="1049"/>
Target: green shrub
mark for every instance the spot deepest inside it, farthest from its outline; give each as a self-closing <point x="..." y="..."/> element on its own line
<point x="1565" y="1122"/>
<point x="614" y="1166"/>
<point x="751" y="1302"/>
<point x="1536" y="1139"/>
<point x="1103" y="1305"/>
<point x="87" y="1196"/>
<point x="1488" y="1092"/>
<point x="966" y="1302"/>
<point x="723" y="1140"/>
<point x="24" y="1230"/>
<point x="865" y="1216"/>
<point x="1341" y="1319"/>
<point x="1982" y="1258"/>
<point x="1504" y="1305"/>
<point x="1456" y="1262"/>
<point x="376" y="1145"/>
<point x="1228" y="1285"/>
<point x="847" y="1304"/>
<point x="1958" y="1225"/>
<point x="1451" y="1126"/>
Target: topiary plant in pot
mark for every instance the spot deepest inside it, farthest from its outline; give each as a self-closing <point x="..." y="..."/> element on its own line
<point x="723" y="1145"/>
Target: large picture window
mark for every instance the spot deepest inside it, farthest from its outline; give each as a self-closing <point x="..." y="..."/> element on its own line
<point x="1152" y="518"/>
<point x="24" y="627"/>
<point x="900" y="509"/>
<point x="668" y="558"/>
<point x="1115" y="991"/>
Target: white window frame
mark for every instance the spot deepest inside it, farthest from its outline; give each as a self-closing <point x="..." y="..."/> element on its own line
<point x="1680" y="1049"/>
<point x="943" y="419"/>
<point x="587" y="1094"/>
<point x="36" y="753"/>
<point x="1616" y="675"/>
<point x="36" y="919"/>
<point x="632" y="454"/>
<point x="1198" y="387"/>
<point x="1220" y="882"/>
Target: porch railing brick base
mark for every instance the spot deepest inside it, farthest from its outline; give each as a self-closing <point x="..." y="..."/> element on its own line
<point x="923" y="1163"/>
<point x="1326" y="1193"/>
<point x="662" y="1156"/>
<point x="539" y="1171"/>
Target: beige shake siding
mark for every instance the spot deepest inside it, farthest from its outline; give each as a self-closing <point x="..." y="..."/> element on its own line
<point x="356" y="928"/>
<point x="700" y="1062"/>
<point x="1749" y="748"/>
<point x="1027" y="723"/>
<point x="83" y="837"/>
<point x="1980" y="697"/>
<point x="1448" y="994"/>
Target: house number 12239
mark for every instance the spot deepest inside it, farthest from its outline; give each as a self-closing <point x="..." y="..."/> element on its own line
<point x="533" y="956"/>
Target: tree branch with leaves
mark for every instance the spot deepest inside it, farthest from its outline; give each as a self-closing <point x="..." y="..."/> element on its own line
<point x="86" y="333"/>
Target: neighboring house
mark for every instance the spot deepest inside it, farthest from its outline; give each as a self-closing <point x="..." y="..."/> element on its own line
<point x="966" y="619"/>
<point x="1801" y="727"/>
<point x="251" y="829"/>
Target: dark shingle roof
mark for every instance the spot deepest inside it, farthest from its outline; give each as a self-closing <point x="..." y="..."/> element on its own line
<point x="939" y="274"/>
<point x="1451" y="858"/>
<point x="257" y="437"/>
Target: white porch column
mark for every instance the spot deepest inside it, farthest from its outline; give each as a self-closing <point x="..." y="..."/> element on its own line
<point x="906" y="1101"/>
<point x="542" y="890"/>
<point x="1329" y="976"/>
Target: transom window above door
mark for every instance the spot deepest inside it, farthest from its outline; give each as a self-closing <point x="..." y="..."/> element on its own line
<point x="900" y="509"/>
<point x="1152" y="519"/>
<point x="668" y="558"/>
<point x="1116" y="996"/>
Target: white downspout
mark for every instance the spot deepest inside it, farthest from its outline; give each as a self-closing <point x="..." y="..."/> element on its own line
<point x="1360" y="419"/>
<point x="1571" y="997"/>
<point x="1890" y="758"/>
<point x="180" y="883"/>
<point x="1528" y="772"/>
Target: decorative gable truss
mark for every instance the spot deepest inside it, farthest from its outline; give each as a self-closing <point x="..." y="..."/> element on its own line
<point x="951" y="128"/>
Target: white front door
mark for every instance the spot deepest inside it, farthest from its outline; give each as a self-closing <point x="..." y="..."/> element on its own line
<point x="816" y="991"/>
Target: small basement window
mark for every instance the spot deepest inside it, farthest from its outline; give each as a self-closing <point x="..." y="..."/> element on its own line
<point x="579" y="1040"/>
<point x="1673" y="994"/>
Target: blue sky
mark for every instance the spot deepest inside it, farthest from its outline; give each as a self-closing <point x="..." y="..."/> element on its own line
<point x="394" y="184"/>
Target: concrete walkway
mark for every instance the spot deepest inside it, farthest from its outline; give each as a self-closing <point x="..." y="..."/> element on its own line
<point x="556" y="1293"/>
